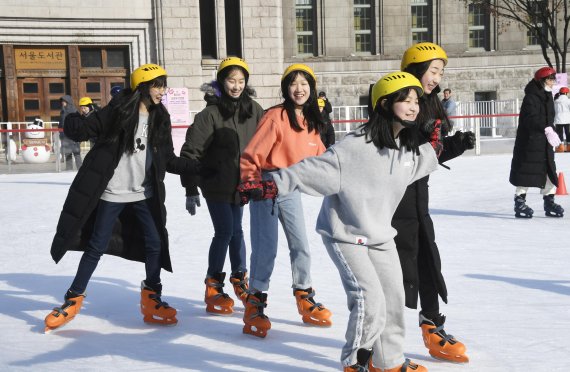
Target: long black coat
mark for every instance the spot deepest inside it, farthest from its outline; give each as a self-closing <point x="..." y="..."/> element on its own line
<point x="77" y="218"/>
<point x="415" y="240"/>
<point x="533" y="156"/>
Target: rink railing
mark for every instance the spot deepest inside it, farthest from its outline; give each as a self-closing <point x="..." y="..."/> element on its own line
<point x="488" y="120"/>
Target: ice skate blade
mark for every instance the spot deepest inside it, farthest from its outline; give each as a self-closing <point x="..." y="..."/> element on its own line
<point x="254" y="331"/>
<point x="458" y="359"/>
<point x="519" y="215"/>
<point x="555" y="215"/>
<point x="219" y="310"/>
<point x="324" y="323"/>
<point x="167" y="322"/>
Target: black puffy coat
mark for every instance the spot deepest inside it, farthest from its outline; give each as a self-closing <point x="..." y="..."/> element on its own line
<point x="77" y="218"/>
<point x="533" y="156"/>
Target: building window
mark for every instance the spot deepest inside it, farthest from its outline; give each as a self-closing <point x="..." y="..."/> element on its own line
<point x="305" y="16"/>
<point x="532" y="36"/>
<point x="208" y="29"/>
<point x="478" y="27"/>
<point x="233" y="28"/>
<point x="104" y="57"/>
<point x="91" y="57"/>
<point x="421" y="21"/>
<point x="363" y="26"/>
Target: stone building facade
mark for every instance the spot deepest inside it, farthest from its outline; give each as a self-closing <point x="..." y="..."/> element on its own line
<point x="89" y="46"/>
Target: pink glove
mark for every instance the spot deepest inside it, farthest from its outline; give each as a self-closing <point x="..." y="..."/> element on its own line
<point x="552" y="137"/>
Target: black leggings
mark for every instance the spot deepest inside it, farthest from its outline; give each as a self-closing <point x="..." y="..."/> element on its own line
<point x="563" y="128"/>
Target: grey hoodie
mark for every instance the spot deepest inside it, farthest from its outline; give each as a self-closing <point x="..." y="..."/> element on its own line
<point x="362" y="186"/>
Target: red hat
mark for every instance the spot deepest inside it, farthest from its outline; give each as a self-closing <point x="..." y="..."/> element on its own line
<point x="564" y="90"/>
<point x="543" y="72"/>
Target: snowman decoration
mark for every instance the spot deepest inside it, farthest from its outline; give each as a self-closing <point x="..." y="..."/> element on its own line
<point x="34" y="147"/>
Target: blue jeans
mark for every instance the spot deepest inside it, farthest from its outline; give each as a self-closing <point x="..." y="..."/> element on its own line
<point x="226" y="218"/>
<point x="107" y="214"/>
<point x="264" y="229"/>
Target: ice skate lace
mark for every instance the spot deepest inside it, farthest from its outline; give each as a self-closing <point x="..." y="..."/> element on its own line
<point x="409" y="364"/>
<point x="159" y="303"/>
<point x="444" y="336"/>
<point x="309" y="298"/>
<point x="259" y="306"/>
<point x="61" y="310"/>
<point x="220" y="288"/>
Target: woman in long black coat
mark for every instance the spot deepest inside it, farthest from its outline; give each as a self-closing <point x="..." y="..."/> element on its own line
<point x="115" y="204"/>
<point x="415" y="240"/>
<point x="533" y="155"/>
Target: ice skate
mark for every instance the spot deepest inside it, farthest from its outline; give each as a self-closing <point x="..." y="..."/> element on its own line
<point x="521" y="209"/>
<point x="551" y="209"/>
<point x="60" y="316"/>
<point x="363" y="362"/>
<point x="408" y="366"/>
<point x="239" y="282"/>
<point x="217" y="301"/>
<point x="439" y="343"/>
<point x="256" y="322"/>
<point x="311" y="311"/>
<point x="155" y="310"/>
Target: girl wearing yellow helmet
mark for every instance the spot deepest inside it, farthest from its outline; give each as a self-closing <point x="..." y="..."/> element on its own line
<point x="362" y="179"/>
<point x="415" y="241"/>
<point x="217" y="138"/>
<point x="286" y="134"/>
<point x="115" y="204"/>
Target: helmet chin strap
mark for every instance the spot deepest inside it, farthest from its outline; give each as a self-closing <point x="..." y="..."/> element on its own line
<point x="405" y="123"/>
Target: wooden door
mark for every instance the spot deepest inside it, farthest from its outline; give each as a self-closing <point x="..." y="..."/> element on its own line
<point x="39" y="98"/>
<point x="99" y="88"/>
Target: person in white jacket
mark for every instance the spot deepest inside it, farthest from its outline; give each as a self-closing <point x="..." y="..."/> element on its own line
<point x="363" y="178"/>
<point x="562" y="118"/>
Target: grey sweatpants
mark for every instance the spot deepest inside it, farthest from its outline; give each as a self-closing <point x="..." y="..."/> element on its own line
<point x="372" y="279"/>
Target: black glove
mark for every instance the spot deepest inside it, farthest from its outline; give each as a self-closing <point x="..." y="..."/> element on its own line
<point x="468" y="140"/>
<point x="250" y="190"/>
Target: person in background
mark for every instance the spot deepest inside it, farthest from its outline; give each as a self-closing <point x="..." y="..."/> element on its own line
<point x="355" y="219"/>
<point x="286" y="134"/>
<point x="115" y="203"/>
<point x="328" y="135"/>
<point x="328" y="107"/>
<point x="562" y="118"/>
<point x="86" y="108"/>
<point x="448" y="103"/>
<point x="533" y="162"/>
<point x="69" y="149"/>
<point x="115" y="90"/>
<point x="217" y="137"/>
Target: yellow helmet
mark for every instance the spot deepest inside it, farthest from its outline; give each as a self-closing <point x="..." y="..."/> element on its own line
<point x="146" y="73"/>
<point x="233" y="61"/>
<point x="298" y="67"/>
<point x="85" y="101"/>
<point x="393" y="82"/>
<point x="423" y="52"/>
<point x="321" y="102"/>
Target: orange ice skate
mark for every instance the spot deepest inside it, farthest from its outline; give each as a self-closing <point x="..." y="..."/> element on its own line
<point x="408" y="366"/>
<point x="311" y="311"/>
<point x="363" y="362"/>
<point x="217" y="301"/>
<point x="60" y="316"/>
<point x="155" y="310"/>
<point x="439" y="343"/>
<point x="256" y="322"/>
<point x="239" y="282"/>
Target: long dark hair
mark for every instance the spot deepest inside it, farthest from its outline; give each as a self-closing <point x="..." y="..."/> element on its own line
<point x="228" y="105"/>
<point x="311" y="111"/>
<point x="125" y="117"/>
<point x="430" y="104"/>
<point x="378" y="129"/>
